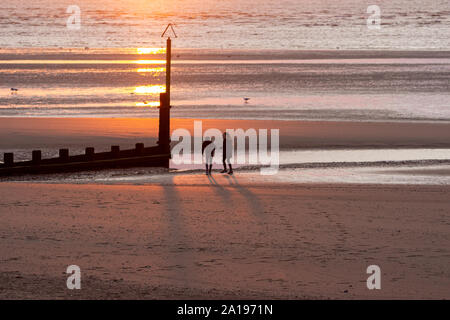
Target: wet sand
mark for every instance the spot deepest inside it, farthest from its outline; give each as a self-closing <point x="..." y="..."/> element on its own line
<point x="224" y="238"/>
<point x="23" y="134"/>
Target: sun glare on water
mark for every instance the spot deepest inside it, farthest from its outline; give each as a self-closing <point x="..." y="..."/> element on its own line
<point x="150" y="89"/>
<point x="151" y="50"/>
<point x="154" y="89"/>
<point x="150" y="61"/>
<point x="151" y="70"/>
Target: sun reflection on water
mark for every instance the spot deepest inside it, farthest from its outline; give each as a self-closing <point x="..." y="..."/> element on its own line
<point x="151" y="70"/>
<point x="151" y="50"/>
<point x="152" y="89"/>
<point x="150" y="61"/>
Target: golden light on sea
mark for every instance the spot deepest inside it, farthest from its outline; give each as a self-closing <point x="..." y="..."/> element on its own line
<point x="153" y="89"/>
<point x="151" y="50"/>
<point x="150" y="61"/>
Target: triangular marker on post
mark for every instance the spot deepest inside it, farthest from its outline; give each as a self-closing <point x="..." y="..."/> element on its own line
<point x="168" y="29"/>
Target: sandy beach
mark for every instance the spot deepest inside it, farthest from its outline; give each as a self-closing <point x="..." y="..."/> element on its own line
<point x="364" y="175"/>
<point x="333" y="115"/>
<point x="224" y="239"/>
<point x="303" y="234"/>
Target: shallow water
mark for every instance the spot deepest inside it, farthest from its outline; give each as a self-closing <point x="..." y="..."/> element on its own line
<point x="331" y="158"/>
<point x="409" y="175"/>
<point x="373" y="175"/>
<point x="366" y="155"/>
<point x="304" y="89"/>
<point x="287" y="89"/>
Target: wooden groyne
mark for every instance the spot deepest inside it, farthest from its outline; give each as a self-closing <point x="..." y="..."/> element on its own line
<point x="140" y="156"/>
<point x="116" y="158"/>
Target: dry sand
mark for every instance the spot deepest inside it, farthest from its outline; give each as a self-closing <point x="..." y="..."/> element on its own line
<point x="224" y="239"/>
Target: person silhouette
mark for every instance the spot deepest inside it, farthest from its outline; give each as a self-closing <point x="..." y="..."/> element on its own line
<point x="227" y="148"/>
<point x="208" y="150"/>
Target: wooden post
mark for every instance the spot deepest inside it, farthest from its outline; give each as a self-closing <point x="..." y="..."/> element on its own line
<point x="36" y="157"/>
<point x="64" y="155"/>
<point x="90" y="153"/>
<point x="169" y="29"/>
<point x="168" y="67"/>
<point x="139" y="148"/>
<point x="8" y="159"/>
<point x="164" y="108"/>
<point x="115" y="150"/>
<point x="164" y="122"/>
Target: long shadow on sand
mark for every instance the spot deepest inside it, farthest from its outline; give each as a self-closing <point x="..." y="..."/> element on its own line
<point x="177" y="240"/>
<point x="254" y="204"/>
<point x="221" y="191"/>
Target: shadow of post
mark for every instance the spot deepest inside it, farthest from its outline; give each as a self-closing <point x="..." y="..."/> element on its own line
<point x="177" y="241"/>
